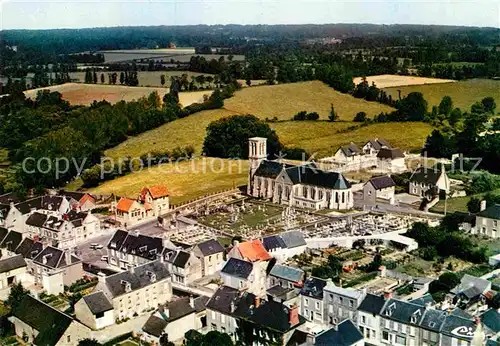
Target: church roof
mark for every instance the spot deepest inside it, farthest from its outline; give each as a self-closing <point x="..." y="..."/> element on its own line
<point x="316" y="177"/>
<point x="270" y="169"/>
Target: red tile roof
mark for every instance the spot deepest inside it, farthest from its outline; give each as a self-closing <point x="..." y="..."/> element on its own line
<point x="157" y="191"/>
<point x="86" y="198"/>
<point x="124" y="204"/>
<point x="253" y="250"/>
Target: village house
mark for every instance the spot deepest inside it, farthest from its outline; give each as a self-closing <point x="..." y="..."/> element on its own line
<point x="9" y="243"/>
<point x="12" y="271"/>
<point x="53" y="268"/>
<point x="157" y="197"/>
<point x="246" y="317"/>
<point x="184" y="266"/>
<point x="245" y="275"/>
<point x="211" y="254"/>
<point x="251" y="250"/>
<point x="488" y="220"/>
<point x="42" y="324"/>
<point x="311" y="300"/>
<point x="341" y="303"/>
<point x="285" y="245"/>
<point x="429" y="182"/>
<point x="391" y="160"/>
<point x="304" y="186"/>
<point x="382" y="187"/>
<point x="95" y="311"/>
<point x="373" y="146"/>
<point x="344" y="334"/>
<point x="79" y="201"/>
<point x="138" y="289"/>
<point x="286" y="277"/>
<point x="348" y="153"/>
<point x="369" y="317"/>
<point x="126" y="249"/>
<point x="175" y="319"/>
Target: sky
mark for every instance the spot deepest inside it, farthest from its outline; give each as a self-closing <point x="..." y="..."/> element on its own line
<point x="50" y="14"/>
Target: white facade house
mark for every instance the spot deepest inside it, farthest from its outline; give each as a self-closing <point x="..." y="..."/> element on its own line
<point x="382" y="187"/>
<point x="304" y="186"/>
<point x="488" y="221"/>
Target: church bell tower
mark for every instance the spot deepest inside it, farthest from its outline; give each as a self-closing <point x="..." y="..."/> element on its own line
<point x="257" y="152"/>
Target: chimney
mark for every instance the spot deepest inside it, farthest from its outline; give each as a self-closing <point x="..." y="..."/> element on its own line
<point x="67" y="256"/>
<point x="387" y="295"/>
<point x="257" y="302"/>
<point x="482" y="205"/>
<point x="191" y="301"/>
<point x="233" y="307"/>
<point x="131" y="269"/>
<point x="293" y="315"/>
<point x="102" y="277"/>
<point x="340" y="283"/>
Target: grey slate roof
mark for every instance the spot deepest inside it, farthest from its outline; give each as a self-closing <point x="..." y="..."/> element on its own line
<point x="491" y="319"/>
<point x="350" y="150"/>
<point x="273" y="242"/>
<point x="346" y="335"/>
<point x="466" y="330"/>
<point x="154" y="325"/>
<point x="98" y="302"/>
<point x="293" y="239"/>
<point x="142" y="246"/>
<point x="210" y="247"/>
<point x="29" y="248"/>
<point x="4" y="210"/>
<point x="287" y="273"/>
<point x="222" y="298"/>
<point x="138" y="278"/>
<point x="238" y="268"/>
<point x="424" y="300"/>
<point x="12" y="263"/>
<point x="382" y="182"/>
<point x="270" y="169"/>
<point x="7" y="198"/>
<point x="378" y="143"/>
<point x="390" y="153"/>
<point x="402" y="311"/>
<point x="26" y="206"/>
<point x="372" y="304"/>
<point x="467" y="282"/>
<point x="55" y="258"/>
<point x="278" y="291"/>
<point x="425" y="175"/>
<point x="51" y="202"/>
<point x="313" y="287"/>
<point x="36" y="219"/>
<point x="346" y="292"/>
<point x="308" y="175"/>
<point x="12" y="241"/>
<point x="492" y="212"/>
<point x="117" y="239"/>
<point x="181" y="259"/>
<point x="433" y="319"/>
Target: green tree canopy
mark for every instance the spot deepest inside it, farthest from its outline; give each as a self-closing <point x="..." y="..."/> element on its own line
<point x="228" y="137"/>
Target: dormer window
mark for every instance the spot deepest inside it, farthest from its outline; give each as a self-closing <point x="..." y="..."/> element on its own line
<point x="143" y="248"/>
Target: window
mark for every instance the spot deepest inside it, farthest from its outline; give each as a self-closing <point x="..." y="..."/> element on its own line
<point x="401" y="340"/>
<point x="363" y="319"/>
<point x="317" y="305"/>
<point x="68" y="338"/>
<point x="306" y="302"/>
<point x="385" y="336"/>
<point x="351" y="303"/>
<point x="412" y="331"/>
<point x="213" y="326"/>
<point x="386" y="323"/>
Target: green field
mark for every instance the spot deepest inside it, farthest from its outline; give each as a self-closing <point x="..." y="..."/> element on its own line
<point x="285" y="100"/>
<point x="185" y="181"/>
<point x="463" y="93"/>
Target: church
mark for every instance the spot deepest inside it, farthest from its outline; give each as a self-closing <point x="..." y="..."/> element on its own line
<point x="304" y="186"/>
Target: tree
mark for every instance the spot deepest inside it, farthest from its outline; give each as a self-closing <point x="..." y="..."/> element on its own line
<point x="489" y="104"/>
<point x="360" y="117"/>
<point x="446" y="105"/>
<point x="194" y="338"/>
<point x="102" y="78"/>
<point x="413" y="107"/>
<point x="89" y="342"/>
<point x="228" y="137"/>
<point x="162" y="80"/>
<point x="474" y="205"/>
<point x="440" y="145"/>
<point x="122" y="78"/>
<point x="333" y="116"/>
<point x="94" y="78"/>
<point x="454" y="117"/>
<point x="17" y="293"/>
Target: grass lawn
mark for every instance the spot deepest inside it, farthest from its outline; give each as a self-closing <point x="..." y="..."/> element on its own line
<point x="463" y="93"/>
<point x="456" y="204"/>
<point x="190" y="130"/>
<point x="285" y="100"/>
<point x="185" y="181"/>
<point x="417" y="267"/>
<point x="128" y="343"/>
<point x="322" y="138"/>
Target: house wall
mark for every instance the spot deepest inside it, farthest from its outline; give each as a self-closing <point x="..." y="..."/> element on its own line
<point x="221" y="322"/>
<point x="312" y="309"/>
<point x="18" y="274"/>
<point x="339" y="307"/>
<point x="22" y="328"/>
<point x="192" y="271"/>
<point x="394" y="333"/>
<point x="234" y="282"/>
<point x="142" y="300"/>
<point x="84" y="315"/>
<point x="15" y="220"/>
<point x="210" y="264"/>
<point x="72" y="273"/>
<point x="160" y="205"/>
<point x="75" y="332"/>
<point x="369" y="193"/>
<point x="418" y="189"/>
<point x="369" y="325"/>
<point x="487" y="226"/>
<point x="178" y="328"/>
<point x="53" y="282"/>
